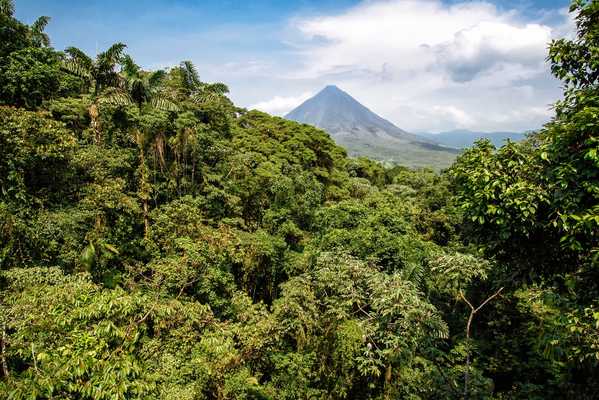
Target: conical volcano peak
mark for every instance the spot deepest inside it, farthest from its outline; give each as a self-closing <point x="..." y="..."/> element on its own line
<point x="338" y="113"/>
<point x="331" y="89"/>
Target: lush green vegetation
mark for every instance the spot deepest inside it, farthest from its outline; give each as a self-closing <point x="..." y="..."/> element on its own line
<point x="158" y="242"/>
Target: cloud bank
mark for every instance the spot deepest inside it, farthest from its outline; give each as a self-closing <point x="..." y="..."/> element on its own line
<point x="427" y="65"/>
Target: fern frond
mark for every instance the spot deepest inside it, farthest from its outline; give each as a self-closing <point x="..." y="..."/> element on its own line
<point x="414" y="272"/>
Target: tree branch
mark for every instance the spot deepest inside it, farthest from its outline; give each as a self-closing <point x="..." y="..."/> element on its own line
<point x="473" y="311"/>
<point x="489" y="299"/>
<point x="466" y="300"/>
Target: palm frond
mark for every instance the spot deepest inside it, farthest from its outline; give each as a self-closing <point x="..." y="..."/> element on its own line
<point x="44" y="39"/>
<point x="7" y="7"/>
<point x="138" y="90"/>
<point x="116" y="97"/>
<point x="79" y="60"/>
<point x="113" y="55"/>
<point x="75" y="68"/>
<point x="109" y="248"/>
<point x="439" y="330"/>
<point x="162" y="103"/>
<point x="204" y="97"/>
<point x="88" y="256"/>
<point x="128" y="67"/>
<point x="156" y="78"/>
<point x="218" y="87"/>
<point x="191" y="78"/>
<point x="159" y="149"/>
<point x="113" y="79"/>
<point x="40" y="24"/>
<point x="37" y="34"/>
<point x="210" y="92"/>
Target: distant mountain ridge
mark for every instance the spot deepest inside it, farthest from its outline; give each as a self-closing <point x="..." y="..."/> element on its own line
<point x="462" y="138"/>
<point x="364" y="133"/>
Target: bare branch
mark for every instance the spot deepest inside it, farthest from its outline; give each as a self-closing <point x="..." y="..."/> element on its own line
<point x="489" y="299"/>
<point x="466" y="300"/>
<point x="473" y="311"/>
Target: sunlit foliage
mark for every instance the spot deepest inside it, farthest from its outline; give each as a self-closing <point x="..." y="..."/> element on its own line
<point x="156" y="241"/>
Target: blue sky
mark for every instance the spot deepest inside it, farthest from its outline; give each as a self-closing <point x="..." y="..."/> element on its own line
<point x="427" y="65"/>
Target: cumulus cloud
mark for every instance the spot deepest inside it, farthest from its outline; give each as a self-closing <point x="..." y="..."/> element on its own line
<point x="425" y="64"/>
<point x="280" y="105"/>
<point x="489" y="45"/>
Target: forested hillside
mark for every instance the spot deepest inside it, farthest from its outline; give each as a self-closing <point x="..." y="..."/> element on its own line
<point x="156" y="241"/>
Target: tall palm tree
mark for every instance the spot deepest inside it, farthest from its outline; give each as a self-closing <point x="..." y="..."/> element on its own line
<point x="139" y="88"/>
<point x="187" y="87"/>
<point x="98" y="75"/>
<point x="144" y="91"/>
<point x="200" y="92"/>
<point x="37" y="34"/>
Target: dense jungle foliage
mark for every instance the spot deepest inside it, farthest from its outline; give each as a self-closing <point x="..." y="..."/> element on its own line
<point x="156" y="241"/>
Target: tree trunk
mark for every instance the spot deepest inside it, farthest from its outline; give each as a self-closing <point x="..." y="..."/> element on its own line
<point x="145" y="195"/>
<point x="467" y="372"/>
<point x="144" y="189"/>
<point x="94" y="115"/>
<point x="388" y="375"/>
<point x="3" y="352"/>
<point x="146" y="219"/>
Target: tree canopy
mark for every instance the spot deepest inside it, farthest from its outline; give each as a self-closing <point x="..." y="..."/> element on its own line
<point x="157" y="241"/>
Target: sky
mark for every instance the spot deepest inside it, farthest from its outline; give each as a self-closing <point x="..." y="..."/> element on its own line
<point x="426" y="65"/>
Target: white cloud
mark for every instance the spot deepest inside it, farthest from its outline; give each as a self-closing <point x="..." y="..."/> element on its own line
<point x="459" y="116"/>
<point x="489" y="45"/>
<point x="428" y="65"/>
<point x="279" y="105"/>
